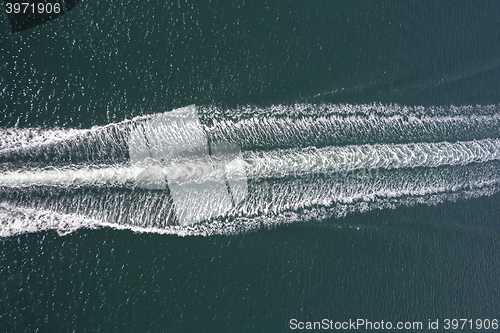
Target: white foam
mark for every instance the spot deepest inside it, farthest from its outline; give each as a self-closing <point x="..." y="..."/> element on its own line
<point x="388" y="156"/>
<point x="272" y="164"/>
<point x="15" y="220"/>
<point x="287" y="132"/>
<point x="302" y="162"/>
<point x="23" y="138"/>
<point x="253" y="128"/>
<point x="269" y="203"/>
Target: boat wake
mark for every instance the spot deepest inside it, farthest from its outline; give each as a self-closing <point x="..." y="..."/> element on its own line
<point x="207" y="170"/>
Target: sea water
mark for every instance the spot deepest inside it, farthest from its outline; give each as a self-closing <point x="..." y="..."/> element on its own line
<point x="366" y="136"/>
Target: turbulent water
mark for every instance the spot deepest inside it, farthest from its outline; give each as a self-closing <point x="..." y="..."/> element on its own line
<point x="301" y="162"/>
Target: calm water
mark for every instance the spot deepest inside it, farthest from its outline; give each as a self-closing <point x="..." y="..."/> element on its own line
<point x="371" y="141"/>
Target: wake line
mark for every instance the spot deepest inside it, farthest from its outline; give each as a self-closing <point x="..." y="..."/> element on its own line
<point x="209" y="170"/>
<point x="269" y="201"/>
<point x="385" y="189"/>
<point x="276" y="163"/>
<point x="287" y="132"/>
<point x="393" y="156"/>
<point x="254" y="129"/>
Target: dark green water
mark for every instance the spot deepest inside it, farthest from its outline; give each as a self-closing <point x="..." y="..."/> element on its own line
<point x="108" y="61"/>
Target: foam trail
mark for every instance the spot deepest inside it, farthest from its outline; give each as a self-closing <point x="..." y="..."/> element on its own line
<point x="393" y="156"/>
<point x="359" y="191"/>
<point x="300" y="162"/>
<point x="307" y="125"/>
<point x="71" y="176"/>
<point x="252" y="129"/>
<point x="269" y="201"/>
<point x="36" y="148"/>
<point x="281" y="163"/>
